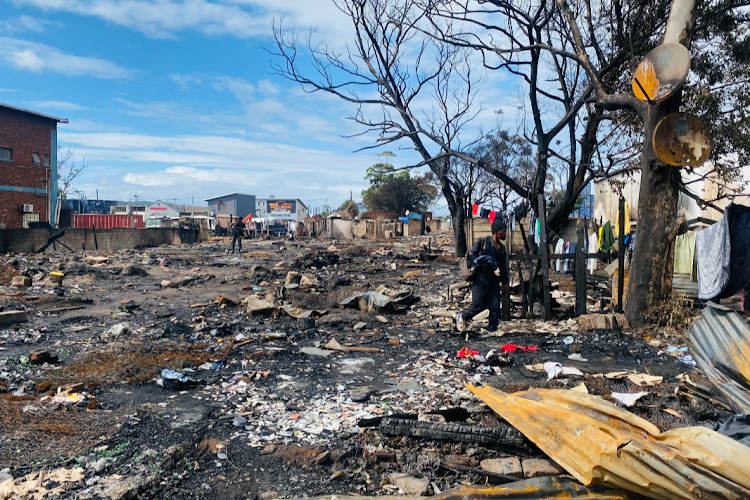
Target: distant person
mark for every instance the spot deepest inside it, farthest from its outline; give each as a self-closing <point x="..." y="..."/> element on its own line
<point x="491" y="271"/>
<point x="237" y="230"/>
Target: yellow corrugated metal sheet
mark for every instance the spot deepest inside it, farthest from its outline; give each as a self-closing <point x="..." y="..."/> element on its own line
<point x="720" y="344"/>
<point x="542" y="488"/>
<point x="600" y="443"/>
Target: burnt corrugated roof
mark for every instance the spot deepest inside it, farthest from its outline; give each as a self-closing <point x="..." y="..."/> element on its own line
<point x="720" y="344"/>
<point x="14" y="108"/>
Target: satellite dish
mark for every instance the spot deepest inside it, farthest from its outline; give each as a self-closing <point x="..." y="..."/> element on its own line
<point x="661" y="73"/>
<point x="427" y="188"/>
<point x="682" y="140"/>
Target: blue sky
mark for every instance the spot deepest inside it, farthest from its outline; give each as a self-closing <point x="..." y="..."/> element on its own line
<point x="173" y="99"/>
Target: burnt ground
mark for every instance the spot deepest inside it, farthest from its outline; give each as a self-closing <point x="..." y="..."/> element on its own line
<point x="270" y="412"/>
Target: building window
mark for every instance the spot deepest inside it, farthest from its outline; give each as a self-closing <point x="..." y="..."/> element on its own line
<point x="222" y="207"/>
<point x="46" y="160"/>
<point x="6" y="154"/>
<point x="35" y="158"/>
<point x="29" y="218"/>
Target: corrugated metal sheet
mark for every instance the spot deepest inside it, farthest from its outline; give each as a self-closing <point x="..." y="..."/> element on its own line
<point x="107" y="221"/>
<point x="600" y="443"/>
<point x="720" y="343"/>
<point x="542" y="488"/>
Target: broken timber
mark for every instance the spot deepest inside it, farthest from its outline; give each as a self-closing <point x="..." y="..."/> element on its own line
<point x="504" y="436"/>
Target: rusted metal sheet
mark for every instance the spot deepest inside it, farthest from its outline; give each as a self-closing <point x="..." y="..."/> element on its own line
<point x="543" y="488"/>
<point x="600" y="443"/>
<point x="720" y="344"/>
<point x="108" y="221"/>
<point x="662" y="72"/>
<point x="682" y="140"/>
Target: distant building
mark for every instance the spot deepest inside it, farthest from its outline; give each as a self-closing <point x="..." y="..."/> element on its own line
<point x="86" y="206"/>
<point x="131" y="208"/>
<point x="28" y="167"/>
<point x="160" y="209"/>
<point x="236" y="204"/>
<point x="586" y="209"/>
<point x="188" y="211"/>
<point x="284" y="209"/>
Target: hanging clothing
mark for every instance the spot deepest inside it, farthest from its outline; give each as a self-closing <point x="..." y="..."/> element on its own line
<point x="474" y="209"/>
<point x="712" y="249"/>
<point x="570" y="248"/>
<point x="559" y="247"/>
<point x="484" y="213"/>
<point x="593" y="248"/>
<point x="627" y="221"/>
<point x="538" y="233"/>
<point x="684" y="253"/>
<point x="606" y="238"/>
<point x="513" y="222"/>
<point x="739" y="254"/>
<point x="493" y="214"/>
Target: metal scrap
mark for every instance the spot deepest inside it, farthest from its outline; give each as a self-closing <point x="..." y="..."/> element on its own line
<point x="599" y="443"/>
<point x="720" y="343"/>
<point x="542" y="488"/>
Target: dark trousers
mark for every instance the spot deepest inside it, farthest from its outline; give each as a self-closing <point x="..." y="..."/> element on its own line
<point x="238" y="240"/>
<point x="484" y="295"/>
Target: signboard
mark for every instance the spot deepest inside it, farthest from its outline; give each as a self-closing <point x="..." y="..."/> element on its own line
<point x="277" y="209"/>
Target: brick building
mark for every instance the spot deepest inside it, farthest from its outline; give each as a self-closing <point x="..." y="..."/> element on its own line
<point x="28" y="167"/>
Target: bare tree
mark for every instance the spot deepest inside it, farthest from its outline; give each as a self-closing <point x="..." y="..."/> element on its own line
<point x="388" y="68"/>
<point x="68" y="169"/>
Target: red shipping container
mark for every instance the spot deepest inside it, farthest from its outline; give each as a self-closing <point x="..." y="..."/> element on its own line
<point x="108" y="221"/>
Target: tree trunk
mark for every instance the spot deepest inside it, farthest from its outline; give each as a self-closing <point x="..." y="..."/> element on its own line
<point x="459" y="233"/>
<point x="457" y="209"/>
<point x="651" y="268"/>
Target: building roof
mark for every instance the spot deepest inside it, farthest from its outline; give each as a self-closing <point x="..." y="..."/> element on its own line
<point x="227" y="195"/>
<point x="8" y="106"/>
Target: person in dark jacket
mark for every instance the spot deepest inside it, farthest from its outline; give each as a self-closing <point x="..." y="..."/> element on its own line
<point x="237" y="230"/>
<point x="488" y="257"/>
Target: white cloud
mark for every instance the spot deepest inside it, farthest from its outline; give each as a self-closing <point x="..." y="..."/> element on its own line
<point x="164" y="18"/>
<point x="161" y="166"/>
<point x="57" y="105"/>
<point x="241" y="89"/>
<point x="32" y="56"/>
<point x="27" y="59"/>
<point x="27" y="23"/>
<point x="184" y="81"/>
<point x="84" y="125"/>
<point x="167" y="18"/>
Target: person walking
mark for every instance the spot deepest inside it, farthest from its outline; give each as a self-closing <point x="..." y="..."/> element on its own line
<point x="488" y="257"/>
<point x="237" y="230"/>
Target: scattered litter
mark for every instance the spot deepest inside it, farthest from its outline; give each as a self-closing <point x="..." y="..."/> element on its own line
<point x="465" y="352"/>
<point x="171" y="379"/>
<point x="314" y="351"/>
<point x="514" y="348"/>
<point x="644" y="380"/>
<point x="628" y="399"/>
<point x="555" y="369"/>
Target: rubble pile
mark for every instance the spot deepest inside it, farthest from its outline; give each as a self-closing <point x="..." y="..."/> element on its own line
<point x="322" y="368"/>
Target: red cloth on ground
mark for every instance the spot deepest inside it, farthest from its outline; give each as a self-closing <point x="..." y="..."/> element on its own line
<point x="514" y="347"/>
